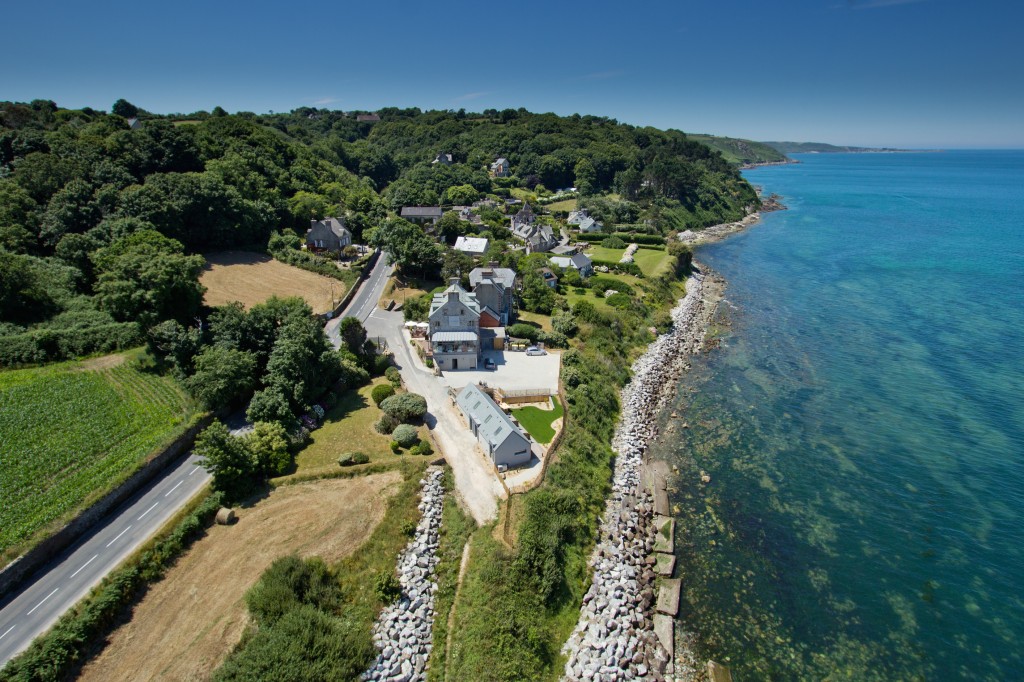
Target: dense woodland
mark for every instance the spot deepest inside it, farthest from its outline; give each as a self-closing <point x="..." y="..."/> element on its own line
<point x="101" y="224"/>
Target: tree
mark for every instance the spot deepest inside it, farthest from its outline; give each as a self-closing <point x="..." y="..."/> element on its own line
<point x="586" y="177"/>
<point x="227" y="459"/>
<point x="408" y="246"/>
<point x="175" y="345"/>
<point x="147" y="277"/>
<point x="353" y="334"/>
<point x="536" y="295"/>
<point x="456" y="264"/>
<point x="270" y="405"/>
<point x="268" y="443"/>
<point x="222" y="376"/>
<point x="450" y="226"/>
<point x="124" y="109"/>
<point x="405" y="407"/>
<point x="461" y="195"/>
<point x="405" y="435"/>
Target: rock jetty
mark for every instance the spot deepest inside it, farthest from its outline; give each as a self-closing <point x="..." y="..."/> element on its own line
<point x="614" y="638"/>
<point x="403" y="631"/>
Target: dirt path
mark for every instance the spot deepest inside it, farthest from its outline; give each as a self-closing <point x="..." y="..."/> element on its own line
<point x="191" y="620"/>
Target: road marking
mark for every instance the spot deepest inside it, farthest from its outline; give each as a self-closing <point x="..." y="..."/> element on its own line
<point x="83" y="566"/>
<point x="193" y="471"/>
<point x="173" y="489"/>
<point x="41" y="603"/>
<point x="147" y="511"/>
<point x="118" y="536"/>
<point x="8" y="631"/>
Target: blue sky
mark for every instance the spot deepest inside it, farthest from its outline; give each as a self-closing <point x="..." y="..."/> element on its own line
<point x="911" y="73"/>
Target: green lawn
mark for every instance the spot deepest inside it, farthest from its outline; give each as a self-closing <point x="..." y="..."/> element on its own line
<point x="543" y="320"/>
<point x="70" y="432"/>
<point x="652" y="262"/>
<point x="348" y="427"/>
<point x="537" y="422"/>
<point x="567" y="205"/>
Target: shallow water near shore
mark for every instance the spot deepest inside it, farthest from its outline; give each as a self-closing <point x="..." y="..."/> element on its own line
<point x="862" y="422"/>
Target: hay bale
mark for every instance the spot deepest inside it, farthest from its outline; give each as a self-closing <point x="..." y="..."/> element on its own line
<point x="225" y="516"/>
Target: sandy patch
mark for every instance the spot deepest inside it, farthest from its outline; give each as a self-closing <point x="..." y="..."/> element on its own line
<point x="188" y="622"/>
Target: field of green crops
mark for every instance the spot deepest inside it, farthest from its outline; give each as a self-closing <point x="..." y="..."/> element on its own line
<point x="71" y="431"/>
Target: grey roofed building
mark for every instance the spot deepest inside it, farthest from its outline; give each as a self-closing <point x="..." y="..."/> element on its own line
<point x="499" y="437"/>
<point x="329" y="234"/>
<point x="367" y="118"/>
<point x="501" y="168"/>
<point x="579" y="261"/>
<point x="455" y="328"/>
<point x="494" y="287"/>
<point x="576" y="217"/>
<point x="588" y="224"/>
<point x="134" y="123"/>
<point x="444" y="159"/>
<point x="422" y="214"/>
<point x="503" y="276"/>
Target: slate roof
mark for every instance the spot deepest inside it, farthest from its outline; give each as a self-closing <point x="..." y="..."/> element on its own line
<point x="335" y="225"/>
<point x="494" y="426"/>
<point x="467" y="299"/>
<point x="422" y="211"/>
<point x="503" y="276"/>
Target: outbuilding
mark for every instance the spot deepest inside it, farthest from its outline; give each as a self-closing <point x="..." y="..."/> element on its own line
<point x="500" y="438"/>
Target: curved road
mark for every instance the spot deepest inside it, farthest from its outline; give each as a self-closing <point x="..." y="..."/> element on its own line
<point x="44" y="597"/>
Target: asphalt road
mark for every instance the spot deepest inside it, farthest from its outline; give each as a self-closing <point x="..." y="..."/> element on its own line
<point x="364" y="302"/>
<point x="64" y="581"/>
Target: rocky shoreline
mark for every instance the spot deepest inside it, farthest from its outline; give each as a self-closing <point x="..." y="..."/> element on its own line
<point x="615" y="637"/>
<point x="403" y="630"/>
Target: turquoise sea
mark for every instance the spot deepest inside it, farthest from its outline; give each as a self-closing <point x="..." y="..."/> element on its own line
<point x="862" y="422"/>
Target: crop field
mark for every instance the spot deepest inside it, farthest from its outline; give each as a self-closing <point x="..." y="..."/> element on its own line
<point x="70" y="432"/>
<point x="252" y="278"/>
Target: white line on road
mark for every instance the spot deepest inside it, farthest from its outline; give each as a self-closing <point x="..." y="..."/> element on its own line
<point x="147" y="511"/>
<point x="83" y="566"/>
<point x="8" y="631"/>
<point x="173" y="489"/>
<point x="41" y="603"/>
<point x="193" y="471"/>
<point x="119" y="536"/>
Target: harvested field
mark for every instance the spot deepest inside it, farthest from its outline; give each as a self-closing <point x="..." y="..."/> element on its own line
<point x="252" y="278"/>
<point x="189" y="621"/>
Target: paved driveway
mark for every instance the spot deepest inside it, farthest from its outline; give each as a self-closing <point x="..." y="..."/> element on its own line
<point x="515" y="370"/>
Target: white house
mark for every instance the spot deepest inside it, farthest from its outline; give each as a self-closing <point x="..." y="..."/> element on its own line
<point x="579" y="261"/>
<point x="473" y="246"/>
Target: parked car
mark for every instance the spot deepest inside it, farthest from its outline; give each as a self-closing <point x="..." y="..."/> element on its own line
<point x="489" y="364"/>
<point x="534" y="350"/>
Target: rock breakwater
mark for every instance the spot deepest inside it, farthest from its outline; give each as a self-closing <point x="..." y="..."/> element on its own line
<point x="614" y="638"/>
<point x="403" y="631"/>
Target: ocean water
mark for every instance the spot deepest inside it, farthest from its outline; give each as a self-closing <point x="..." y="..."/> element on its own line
<point x="862" y="422"/>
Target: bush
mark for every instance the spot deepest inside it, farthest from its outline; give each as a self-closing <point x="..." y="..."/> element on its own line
<point x="523" y="331"/>
<point x="613" y="242"/>
<point x="387" y="587"/>
<point x="620" y="301"/>
<point x="423" y="448"/>
<point x="602" y="284"/>
<point x="382" y="363"/>
<point x="385" y="424"/>
<point x="405" y="407"/>
<point x="554" y="339"/>
<point x="381" y="392"/>
<point x="394" y="376"/>
<point x="430" y="363"/>
<point x="351" y="458"/>
<point x="564" y="323"/>
<point x="405" y="435"/>
<point x="395" y="447"/>
<point x="289" y="582"/>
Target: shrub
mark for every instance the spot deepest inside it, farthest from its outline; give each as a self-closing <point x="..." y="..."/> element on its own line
<point x="395" y="447"/>
<point x="564" y="323"/>
<point x="409" y="528"/>
<point x="613" y="242"/>
<point x="430" y="363"/>
<point x="523" y="331"/>
<point x="554" y="339"/>
<point x="405" y="435"/>
<point x="394" y="376"/>
<point x="387" y="587"/>
<point x="381" y="392"/>
<point x="424" y="448"/>
<point x="385" y="424"/>
<point x="350" y="458"/>
<point x="620" y="301"/>
<point x="289" y="582"/>
<point x="382" y="363"/>
<point x="602" y="284"/>
<point x="405" y="407"/>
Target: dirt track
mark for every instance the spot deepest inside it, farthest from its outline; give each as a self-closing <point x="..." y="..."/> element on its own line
<point x="192" y="619"/>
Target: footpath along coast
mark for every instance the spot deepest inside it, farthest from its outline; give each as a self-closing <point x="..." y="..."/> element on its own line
<point x="615" y="637"/>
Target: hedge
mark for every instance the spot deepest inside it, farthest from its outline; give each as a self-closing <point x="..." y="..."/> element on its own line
<point x="642" y="239"/>
<point x="49" y="344"/>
